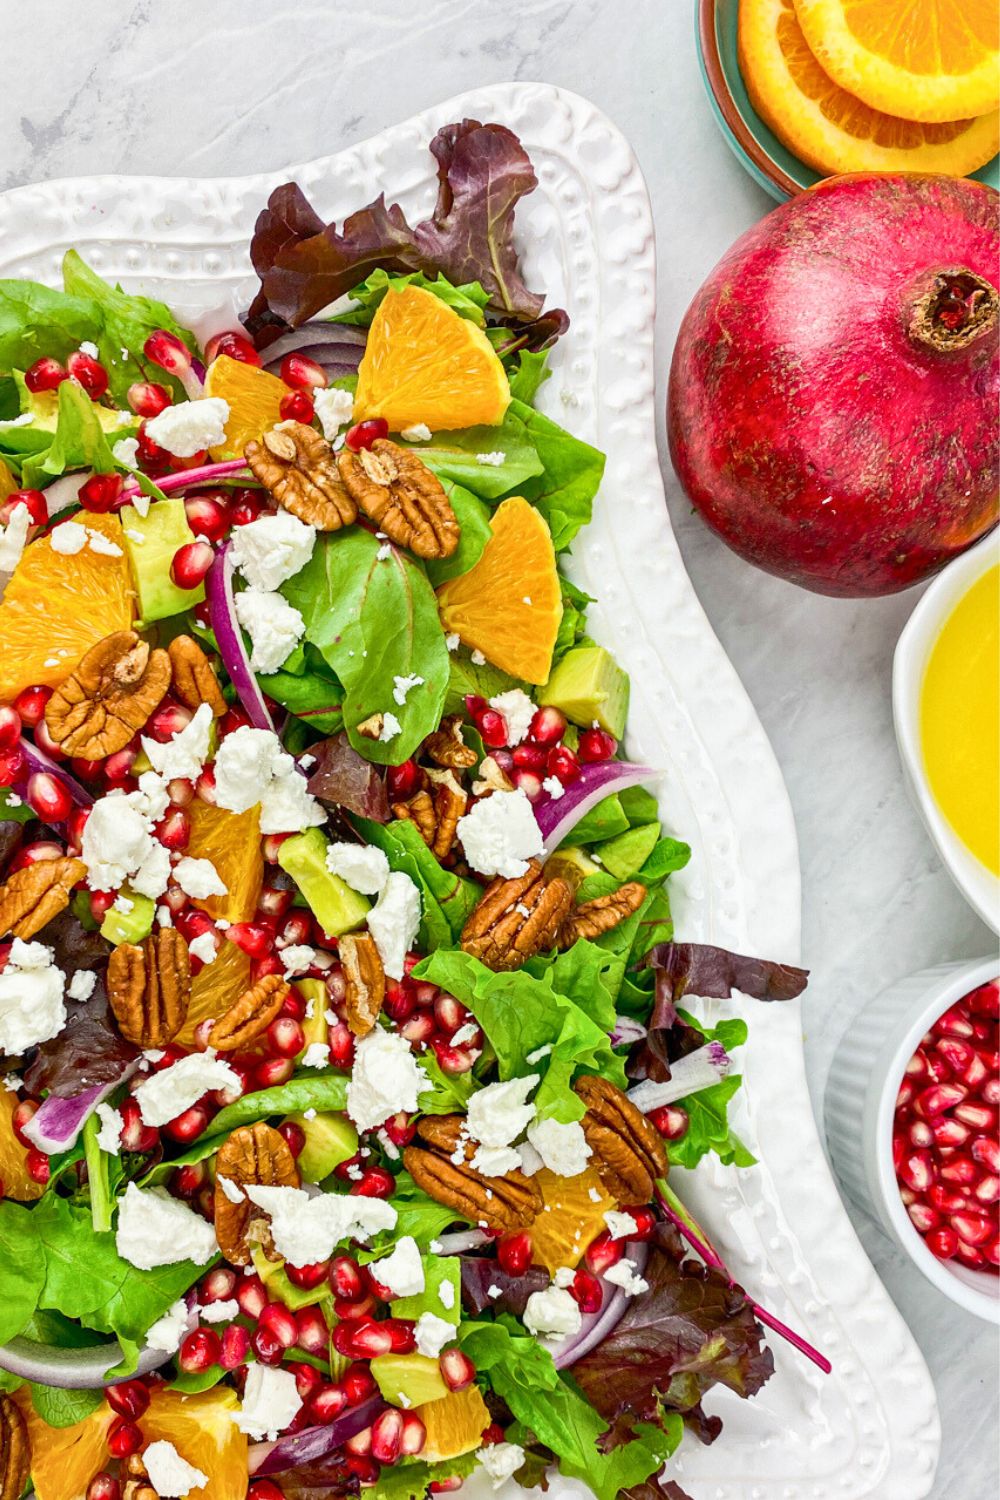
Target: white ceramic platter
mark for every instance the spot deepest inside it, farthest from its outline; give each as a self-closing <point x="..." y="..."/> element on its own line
<point x="871" y="1428"/>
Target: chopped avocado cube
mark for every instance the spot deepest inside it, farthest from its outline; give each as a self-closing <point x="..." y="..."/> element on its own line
<point x="335" y="906"/>
<point x="622" y="856"/>
<point x="604" y="821"/>
<point x="129" y="926"/>
<point x="151" y="542"/>
<point x="571" y="864"/>
<point x="279" y="1286"/>
<point x="408" y="1379"/>
<point x="438" y="1270"/>
<point x="638" y="805"/>
<point x="588" y="685"/>
<point x="315" y="1026"/>
<point x="44" y="409"/>
<point x="330" y="1139"/>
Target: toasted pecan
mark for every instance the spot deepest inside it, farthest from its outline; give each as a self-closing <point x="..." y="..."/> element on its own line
<point x="149" y="987"/>
<point x="446" y="746"/>
<point x="628" y="1152"/>
<point x="296" y="464"/>
<point x="109" y="697"/>
<point x="194" y="681"/>
<point x="591" y="918"/>
<point x="517" y="918"/>
<point x="252" y="1154"/>
<point x="501" y="1203"/>
<point x="249" y="1016"/>
<point x="364" y="980"/>
<point x="15" y="1450"/>
<point x="399" y="492"/>
<point x="35" y="894"/>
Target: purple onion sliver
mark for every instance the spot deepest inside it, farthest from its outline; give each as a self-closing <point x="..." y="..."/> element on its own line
<point x="627" y="1030"/>
<point x="596" y="1326"/>
<point x="222" y="612"/>
<point x="184" y="478"/>
<point x="461" y="1241"/>
<point x="56" y="1124"/>
<point x="556" y="817"/>
<point x="315" y="334"/>
<point x="312" y="1442"/>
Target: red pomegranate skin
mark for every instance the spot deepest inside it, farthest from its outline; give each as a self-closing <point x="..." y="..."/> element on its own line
<point x="821" y="416"/>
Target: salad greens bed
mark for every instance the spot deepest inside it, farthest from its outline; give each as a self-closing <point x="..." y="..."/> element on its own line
<point x="334" y="817"/>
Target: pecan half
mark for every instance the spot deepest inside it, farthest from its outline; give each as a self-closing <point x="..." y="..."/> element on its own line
<point x="252" y="1154"/>
<point x="15" y="1452"/>
<point x="401" y="495"/>
<point x="297" y="465"/>
<point x="249" y="1016"/>
<point x="492" y="778"/>
<point x="109" y="697"/>
<point x="149" y="988"/>
<point x="515" y="919"/>
<point x="591" y="918"/>
<point x="627" y="1151"/>
<point x="446" y="747"/>
<point x="436" y="812"/>
<point x="194" y="681"/>
<point x="137" y="1485"/>
<point x="364" y="979"/>
<point x="501" y="1203"/>
<point x="33" y="896"/>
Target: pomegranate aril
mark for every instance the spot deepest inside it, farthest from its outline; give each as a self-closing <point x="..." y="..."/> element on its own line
<point x="987" y="1190"/>
<point x="402" y="1335"/>
<point x="670" y="1121"/>
<point x="295" y="1139"/>
<point x="206" y="517"/>
<point x="341" y="1044"/>
<point x="603" y="1252"/>
<point x="947" y="1200"/>
<point x="190" y="564"/>
<point x="360" y="1445"/>
<point x="400" y="1129"/>
<point x="135" y="1134"/>
<point x="274" y="902"/>
<point x="364" y="434"/>
<point x="452" y="1060"/>
<point x="923" y="1217"/>
<point x="449" y="1013"/>
<point x="10" y="727"/>
<point x="166" y="350"/>
<point x="414" y="1434"/>
<point x="514" y="1252"/>
<point x="563" y="765"/>
<point x="277" y="1317"/>
<point x="251" y="1296"/>
<point x="345" y="1278"/>
<point x="374" y="1182"/>
<point x="954" y="1022"/>
<point x="37" y="1165"/>
<point x="149" y="450"/>
<point x="130" y="1398"/>
<point x="302" y="373"/>
<point x="88" y="372"/>
<point x="949" y="1134"/>
<point x="285" y="1037"/>
<point x="34" y="503"/>
<point x="445" y="1486"/>
<point x="365" y="1308"/>
<point x="986" y="1151"/>
<point x="147" y="399"/>
<point x="296" y="928"/>
<point x="364" y="1339"/>
<point x="308" y="1380"/>
<point x="403" y="780"/>
<point x="971" y="1228"/>
<point x="528" y="782"/>
<point x="970" y="1255"/>
<point x="23" y="1113"/>
<point x="174" y="830"/>
<point x="991" y="1250"/>
<point x="188" y="1125"/>
<point x="585" y="1289"/>
<point x="387" y="1436"/>
<point x="327" y="1402"/>
<point x="985" y="1001"/>
<point x="101" y="493"/>
<point x="189" y="1179"/>
<point x="961" y="1170"/>
<point x="296" y="407"/>
<point x="311" y="1330"/>
<point x="547" y="727"/>
<point x="234" y="345"/>
<point x="44" y="375"/>
<point x="218" y="1286"/>
<point x="199" y="1349"/>
<point x="12" y="764"/>
<point x="979" y="1117"/>
<point x="942" y="1242"/>
<point x="938" y="1098"/>
<point x="419" y="1028"/>
<point x="48" y="798"/>
<point x="917" y="1065"/>
<point x="362" y="1467"/>
<point x="264" y="1489"/>
<point x="273" y="1071"/>
<point x="255" y="939"/>
<point x="103" y="1486"/>
<point x="267" y="1346"/>
<point x="124" y="1438"/>
<point x="492" y="727"/>
<point x="920" y="1133"/>
<point x="596" y="745"/>
<point x="358" y="1383"/>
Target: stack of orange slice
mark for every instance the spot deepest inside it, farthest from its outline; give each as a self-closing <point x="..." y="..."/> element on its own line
<point x="876" y="85"/>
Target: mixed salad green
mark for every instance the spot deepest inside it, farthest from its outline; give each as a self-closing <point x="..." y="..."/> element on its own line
<point x="342" y="1025"/>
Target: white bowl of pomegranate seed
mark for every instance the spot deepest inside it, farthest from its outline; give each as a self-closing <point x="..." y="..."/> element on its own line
<point x="912" y="1108"/>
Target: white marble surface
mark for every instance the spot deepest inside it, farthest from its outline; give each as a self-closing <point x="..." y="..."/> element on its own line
<point x="239" y="85"/>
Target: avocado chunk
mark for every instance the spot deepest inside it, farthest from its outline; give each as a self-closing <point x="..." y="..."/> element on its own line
<point x="330" y="1139"/>
<point x="281" y="1289"/>
<point x="315" y="1026"/>
<point x="588" y="685"/>
<point x="335" y="906"/>
<point x="437" y="1271"/>
<point x="605" y="821"/>
<point x="571" y="864"/>
<point x="622" y="856"/>
<point x="163" y="531"/>
<point x="408" y="1379"/>
<point x="129" y="926"/>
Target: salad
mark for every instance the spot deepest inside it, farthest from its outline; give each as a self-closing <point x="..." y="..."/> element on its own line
<point x="343" y="1042"/>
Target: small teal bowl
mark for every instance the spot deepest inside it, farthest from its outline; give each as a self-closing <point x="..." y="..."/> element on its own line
<point x="757" y="148"/>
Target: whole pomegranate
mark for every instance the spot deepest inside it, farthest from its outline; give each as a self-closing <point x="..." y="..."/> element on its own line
<point x="832" y="410"/>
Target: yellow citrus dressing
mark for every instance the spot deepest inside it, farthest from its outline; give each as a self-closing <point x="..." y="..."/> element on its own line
<point x="960" y="719"/>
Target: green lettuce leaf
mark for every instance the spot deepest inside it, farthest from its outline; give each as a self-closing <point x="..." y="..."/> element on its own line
<point x="451" y="1091"/>
<point x="529" y="375"/>
<point x="468" y="300"/>
<point x="708" y="1110"/>
<point x="465" y="678"/>
<point x="452" y="455"/>
<point x="374" y="619"/>
<point x="570" y="476"/>
<point x="473" y="517"/>
<point x="308" y="689"/>
<point x="448" y="898"/>
<point x="409" y="1480"/>
<point x="320" y="1091"/>
<point x="418" y="1215"/>
<point x="573" y="625"/>
<point x="36" y="321"/>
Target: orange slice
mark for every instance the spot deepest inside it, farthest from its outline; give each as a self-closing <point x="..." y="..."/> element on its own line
<point x="455" y="1424"/>
<point x="65" y="1459"/>
<point x="508" y="605"/>
<point x="570" y="1219"/>
<point x="13" y="1172"/>
<point x="254" y="399"/>
<point x="828" y="128"/>
<point x="232" y="842"/>
<point x="218" y="986"/>
<point x="424" y="363"/>
<point x="931" y="60"/>
<point x="57" y="606"/>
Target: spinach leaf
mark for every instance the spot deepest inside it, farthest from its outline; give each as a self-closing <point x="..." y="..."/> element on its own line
<point x="61" y="1408"/>
<point x="375" y="619"/>
<point x="453" y="455"/>
<point x="604" y="821"/>
<point x="321" y="1091"/>
<point x="531" y="373"/>
<point x="313" y="694"/>
<point x="573" y="625"/>
<point x="473" y="517"/>
<point x="571" y="475"/>
<point x="448" y="898"/>
<point x="465" y="678"/>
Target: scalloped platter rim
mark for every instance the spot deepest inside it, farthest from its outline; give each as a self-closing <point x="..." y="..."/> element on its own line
<point x="871" y="1429"/>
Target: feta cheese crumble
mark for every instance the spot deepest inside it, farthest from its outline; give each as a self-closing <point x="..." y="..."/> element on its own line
<point x="220" y="1312"/>
<point x="401" y="1272"/>
<point x="168" y="1331"/>
<point x="270" y="1402"/>
<point x="419" y="432"/>
<point x="491" y="460"/>
<point x="363" y="867"/>
<point x="501" y="1461"/>
<point x="157" y="1230"/>
<point x="68" y="538"/>
<point x="432" y="1333"/>
<point x="31" y="997"/>
<point x="554" y="787"/>
<point x="170" y="1475"/>
<point x="185" y="753"/>
<point x="403" y="685"/>
<point x="552" y="1313"/>
<point x="199" y="879"/>
<point x="82" y="985"/>
<point x="563" y="1148"/>
<point x="386" y="1079"/>
<point x="390" y="727"/>
<point x="500" y="834"/>
<point x="498" y="1113"/>
<point x="517" y="710"/>
<point x="625" y="1275"/>
<point x="307" y="1229"/>
<point x="203" y="947"/>
<point x="620" y="1226"/>
<point x="12" y="539"/>
<point x="273" y="548"/>
<point x="190" y="426"/>
<point x="252" y="767"/>
<point x="126" y="453"/>
<point x="334" y="409"/>
<point x="109" y="1137"/>
<point x="274" y="626"/>
<point x="316" y="1055"/>
<point x="169" y="1093"/>
<point x="393" y="922"/>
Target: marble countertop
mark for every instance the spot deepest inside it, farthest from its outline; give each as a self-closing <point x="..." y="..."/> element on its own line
<point x="243" y="85"/>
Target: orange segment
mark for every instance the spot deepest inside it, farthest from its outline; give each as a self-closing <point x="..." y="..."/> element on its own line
<point x="508" y="606"/>
<point x="57" y="606"/>
<point x="424" y="363"/>
<point x="254" y="399"/>
<point x="218" y="986"/>
<point x="932" y="60"/>
<point x="232" y="842"/>
<point x="455" y="1424"/>
<point x="65" y="1459"/>
<point x="570" y="1219"/>
<point x="828" y="128"/>
<point x="13" y="1172"/>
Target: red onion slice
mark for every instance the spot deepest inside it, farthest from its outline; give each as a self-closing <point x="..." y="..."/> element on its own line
<point x="316" y="334"/>
<point x="596" y="1326"/>
<point x="312" y="1442"/>
<point x="56" y="1124"/>
<point x="184" y="478"/>
<point x="556" y="817"/>
<point x="222" y="612"/>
